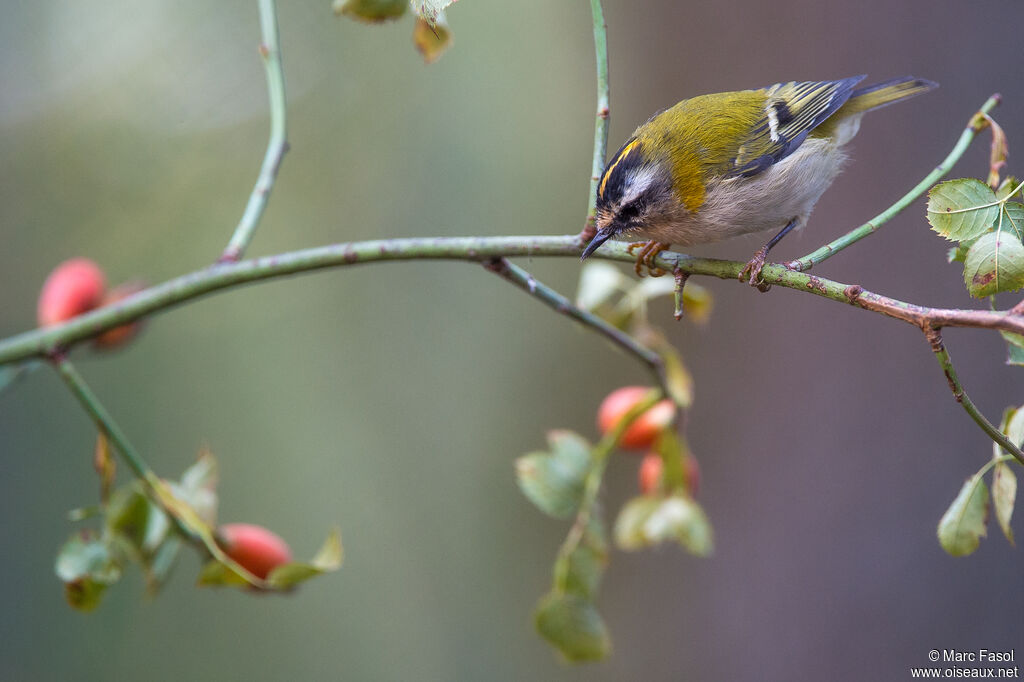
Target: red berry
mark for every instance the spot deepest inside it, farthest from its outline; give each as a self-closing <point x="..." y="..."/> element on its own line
<point x="646" y="428"/>
<point x="650" y="473"/>
<point x="254" y="548"/>
<point x="118" y="336"/>
<point x="74" y="287"/>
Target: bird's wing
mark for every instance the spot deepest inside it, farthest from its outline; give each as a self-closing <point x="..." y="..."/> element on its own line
<point x="792" y="110"/>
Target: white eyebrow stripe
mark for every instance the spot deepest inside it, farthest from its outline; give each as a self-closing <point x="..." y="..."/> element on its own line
<point x="638" y="183"/>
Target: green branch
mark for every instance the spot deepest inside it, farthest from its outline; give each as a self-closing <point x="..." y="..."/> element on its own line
<point x="270" y="50"/>
<point x="42" y="343"/>
<point x="601" y="125"/>
<point x="942" y="355"/>
<point x="977" y="123"/>
<point x="559" y="303"/>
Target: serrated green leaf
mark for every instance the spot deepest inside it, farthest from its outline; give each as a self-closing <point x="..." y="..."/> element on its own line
<point x="963" y="525"/>
<point x="572" y="624"/>
<point x="1013" y="219"/>
<point x="1004" y="495"/>
<point x="994" y="263"/>
<point x="959" y="209"/>
<point x="553" y="480"/>
<point x="371" y="11"/>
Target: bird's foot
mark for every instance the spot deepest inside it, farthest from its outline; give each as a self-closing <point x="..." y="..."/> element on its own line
<point x="645" y="259"/>
<point x="751" y="272"/>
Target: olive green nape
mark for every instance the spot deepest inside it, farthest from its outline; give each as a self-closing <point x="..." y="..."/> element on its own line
<point x="714" y="126"/>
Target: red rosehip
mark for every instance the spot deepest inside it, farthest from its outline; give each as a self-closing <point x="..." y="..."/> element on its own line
<point x="74" y="287"/>
<point x="118" y="336"/>
<point x="254" y="548"/>
<point x="650" y="473"/>
<point x="644" y="430"/>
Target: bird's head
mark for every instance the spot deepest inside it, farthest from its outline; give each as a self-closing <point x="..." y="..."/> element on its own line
<point x="635" y="193"/>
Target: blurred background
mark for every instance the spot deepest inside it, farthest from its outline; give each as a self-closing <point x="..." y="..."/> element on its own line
<point x="393" y="399"/>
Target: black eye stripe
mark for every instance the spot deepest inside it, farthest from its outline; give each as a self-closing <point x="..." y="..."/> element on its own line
<point x="630" y="210"/>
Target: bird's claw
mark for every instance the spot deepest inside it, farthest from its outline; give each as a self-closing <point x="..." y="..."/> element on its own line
<point x="645" y="259"/>
<point x="751" y="272"/>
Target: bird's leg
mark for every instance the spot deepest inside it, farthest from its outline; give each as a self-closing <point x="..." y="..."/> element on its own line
<point x="751" y="272"/>
<point x="648" y="252"/>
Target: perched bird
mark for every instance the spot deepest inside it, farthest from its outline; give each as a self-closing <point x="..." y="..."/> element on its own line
<point x="718" y="166"/>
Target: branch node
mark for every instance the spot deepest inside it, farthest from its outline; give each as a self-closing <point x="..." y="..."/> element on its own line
<point x="852" y="293"/>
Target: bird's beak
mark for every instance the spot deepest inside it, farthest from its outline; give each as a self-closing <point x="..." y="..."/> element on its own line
<point x="603" y="235"/>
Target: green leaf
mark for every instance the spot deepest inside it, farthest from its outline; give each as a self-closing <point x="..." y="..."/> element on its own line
<point x="1008" y="184"/>
<point x="282" y="578"/>
<point x="994" y="263"/>
<point x="1004" y="494"/>
<point x="198" y="487"/>
<point x="1013" y="219"/>
<point x="371" y="11"/>
<point x="136" y="521"/>
<point x="629" y="526"/>
<point x="1014" y="347"/>
<point x="87" y="568"/>
<point x="680" y="518"/>
<point x="432" y="37"/>
<point x="963" y="525"/>
<point x="553" y="480"/>
<point x="648" y="520"/>
<point x="959" y="209"/>
<point x="958" y="253"/>
<point x="572" y="624"/>
<point x="672" y="449"/>
<point x="328" y="559"/>
<point x="158" y="569"/>
<point x="587" y="562"/>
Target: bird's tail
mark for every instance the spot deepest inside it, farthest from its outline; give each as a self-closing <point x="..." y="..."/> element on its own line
<point x="880" y="94"/>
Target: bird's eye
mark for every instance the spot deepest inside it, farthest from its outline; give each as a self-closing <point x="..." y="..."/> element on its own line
<point x="629" y="212"/>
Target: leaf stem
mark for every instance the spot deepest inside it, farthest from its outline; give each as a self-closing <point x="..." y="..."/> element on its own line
<point x="270" y="50"/>
<point x="977" y="123"/>
<point x="934" y="337"/>
<point x="601" y="124"/>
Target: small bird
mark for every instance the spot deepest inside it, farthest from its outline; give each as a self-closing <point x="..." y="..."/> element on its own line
<point x="718" y="166"/>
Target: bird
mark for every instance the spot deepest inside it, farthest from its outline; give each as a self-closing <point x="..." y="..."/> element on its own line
<point x="727" y="164"/>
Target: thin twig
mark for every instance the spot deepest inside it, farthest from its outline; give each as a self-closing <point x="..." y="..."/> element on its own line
<point x="601" y="125"/>
<point x="559" y="303"/>
<point x="43" y="342"/>
<point x="106" y="424"/>
<point x="270" y="50"/>
<point x="942" y="355"/>
<point x="977" y="123"/>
